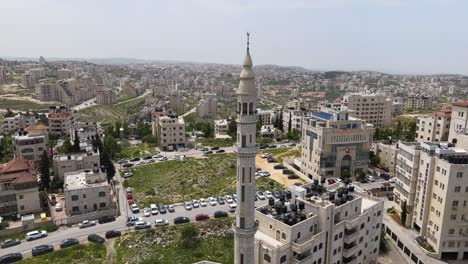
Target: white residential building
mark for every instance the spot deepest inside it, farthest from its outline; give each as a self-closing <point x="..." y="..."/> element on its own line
<point x="61" y="120"/>
<point x="88" y="160"/>
<point x="207" y="107"/>
<point x="170" y="132"/>
<point x="18" y="122"/>
<point x="418" y="102"/>
<point x="265" y="117"/>
<point x="221" y="128"/>
<point x="435" y="127"/>
<point x="458" y="133"/>
<point x="31" y="143"/>
<point x="375" y="109"/>
<point x="269" y="131"/>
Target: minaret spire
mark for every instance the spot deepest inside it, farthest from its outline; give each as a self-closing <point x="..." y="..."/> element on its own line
<point x="248" y="41"/>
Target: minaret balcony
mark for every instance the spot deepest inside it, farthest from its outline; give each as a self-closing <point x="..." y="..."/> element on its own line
<point x="247" y="150"/>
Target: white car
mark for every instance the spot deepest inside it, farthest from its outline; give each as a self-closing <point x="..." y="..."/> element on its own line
<point x="35" y="235"/>
<point x="212" y="201"/>
<point x="203" y="202"/>
<point x="86" y="223"/>
<point x="162" y="159"/>
<point x="154" y="209"/>
<point x="260" y="195"/>
<point x="195" y="203"/>
<point x="128" y="175"/>
<point x="188" y="206"/>
<point x="58" y="207"/>
<point x="157" y="156"/>
<point x="268" y="195"/>
<point x="265" y="174"/>
<point x="134" y="208"/>
<point x="142" y="225"/>
<point x="147" y="212"/>
<point x="392" y="179"/>
<point x="258" y="173"/>
<point x="161" y="222"/>
<point x="232" y="207"/>
<point x="266" y="155"/>
<point x="229" y="199"/>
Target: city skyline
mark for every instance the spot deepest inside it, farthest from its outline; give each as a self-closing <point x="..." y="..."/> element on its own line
<point x="398" y="37"/>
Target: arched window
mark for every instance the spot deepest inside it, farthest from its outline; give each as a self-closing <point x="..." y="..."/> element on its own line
<point x="283" y="235"/>
<point x="283" y="259"/>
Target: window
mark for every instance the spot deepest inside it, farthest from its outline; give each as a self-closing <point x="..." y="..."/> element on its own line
<point x="102" y="205"/>
<point x="75" y="209"/>
<point x="320" y="245"/>
<point x="102" y="194"/>
<point x="451" y="231"/>
<point x="267" y="258"/>
<point x="283" y="259"/>
<point x="457" y="188"/>
<point x="459" y="174"/>
<point x="298" y="235"/>
<point x="283" y="235"/>
<point x="84" y="195"/>
<point x="315" y="249"/>
<point x="455" y="203"/>
<point x="336" y="237"/>
<point x="22" y="207"/>
<point x="20" y="196"/>
<point x="74" y="197"/>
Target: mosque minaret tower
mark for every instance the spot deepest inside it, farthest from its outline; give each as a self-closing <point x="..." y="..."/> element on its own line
<point x="246" y="148"/>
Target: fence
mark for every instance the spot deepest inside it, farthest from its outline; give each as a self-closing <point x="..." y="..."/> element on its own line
<point x="75" y="219"/>
<point x="24" y="228"/>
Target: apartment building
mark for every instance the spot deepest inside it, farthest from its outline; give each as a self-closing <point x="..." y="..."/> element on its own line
<point x="88" y="160"/>
<point x="18" y="122"/>
<point x="305" y="104"/>
<point x="86" y="132"/>
<point x="207" y="107"/>
<point x="61" y="120"/>
<point x="375" y="109"/>
<point x="31" y="77"/>
<point x="387" y="152"/>
<point x="292" y="119"/>
<point x="105" y="96"/>
<point x="30" y="144"/>
<point x="221" y="128"/>
<point x="86" y="191"/>
<point x="265" y="117"/>
<point x="335" y="144"/>
<point x="170" y="131"/>
<point x="458" y="133"/>
<point x="177" y="104"/>
<point x="47" y="90"/>
<point x="435" y="127"/>
<point x="269" y="131"/>
<point x="64" y="74"/>
<point x="19" y="193"/>
<point x="418" y="102"/>
<point x="314" y="225"/>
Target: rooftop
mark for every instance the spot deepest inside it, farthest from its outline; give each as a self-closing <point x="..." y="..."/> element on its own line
<point x="461" y="103"/>
<point x="84" y="179"/>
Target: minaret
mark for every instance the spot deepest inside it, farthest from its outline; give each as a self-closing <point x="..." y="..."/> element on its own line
<point x="246" y="149"/>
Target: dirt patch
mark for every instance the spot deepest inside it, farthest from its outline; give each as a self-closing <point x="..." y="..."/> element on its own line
<point x="111" y="254"/>
<point x="276" y="175"/>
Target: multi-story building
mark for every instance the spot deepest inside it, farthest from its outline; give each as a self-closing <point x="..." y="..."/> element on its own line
<point x="292" y="119"/>
<point x="418" y="102"/>
<point x="458" y="133"/>
<point x="314" y="225"/>
<point x="19" y="193"/>
<point x="207" y="107"/>
<point x="305" y="104"/>
<point x="18" y="122"/>
<point x="86" y="191"/>
<point x="61" y="120"/>
<point x="86" y="133"/>
<point x="269" y="131"/>
<point x="170" y="131"/>
<point x="47" y="90"/>
<point x="387" y="153"/>
<point x="265" y="117"/>
<point x="335" y="144"/>
<point x="31" y="77"/>
<point x="88" y="160"/>
<point x="435" y="127"/>
<point x="64" y="74"/>
<point x="221" y="128"/>
<point x="106" y="96"/>
<point x="30" y="144"/>
<point x="375" y="109"/>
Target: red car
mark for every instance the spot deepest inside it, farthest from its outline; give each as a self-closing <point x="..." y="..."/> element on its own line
<point x="201" y="217"/>
<point x="330" y="181"/>
<point x="130" y="202"/>
<point x="129" y="196"/>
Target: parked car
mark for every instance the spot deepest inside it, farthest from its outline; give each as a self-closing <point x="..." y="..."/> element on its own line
<point x="69" y="242"/>
<point x="181" y="220"/>
<point x="232" y="207"/>
<point x="122" y="161"/>
<point x="212" y="201"/>
<point x="142" y="225"/>
<point x="278" y="167"/>
<point x="128" y="175"/>
<point x="162" y="208"/>
<point x="128" y="165"/>
<point x="220" y="200"/>
<point x="132" y="220"/>
<point x="261" y="195"/>
<point x="150" y="161"/>
<point x="370" y="178"/>
<point x="390" y="197"/>
<point x="293" y="177"/>
<point x="157" y="156"/>
<point x="129" y="196"/>
<point x="52" y="199"/>
<point x="271" y="146"/>
<point x="161" y="222"/>
<point x="10" y="243"/>
<point x="220" y="151"/>
<point x="263" y="146"/>
<point x="188" y="206"/>
<point x="147" y="212"/>
<point x="58" y="207"/>
<point x="286" y="171"/>
<point x="276" y="194"/>
<point x="135" y="159"/>
<point x="170" y="208"/>
<point x="265" y="155"/>
<point x="271" y="160"/>
<point x="207" y="152"/>
<point x="330" y="181"/>
<point x="215" y="148"/>
<point x="298" y="184"/>
<point x="265" y="174"/>
<point x="135" y="208"/>
<point x="154" y="209"/>
<point x="35" y="235"/>
<point x="201" y="217"/>
<point x="219" y="214"/>
<point x="147" y="157"/>
<point x="106" y="219"/>
<point x="195" y="203"/>
<point x="11" y="258"/>
<point x="203" y="202"/>
<point x="41" y="250"/>
<point x="234" y="197"/>
<point x="96" y="239"/>
<point x="162" y="159"/>
<point x="130" y="202"/>
<point x="113" y="234"/>
<point x="86" y="224"/>
<point x="268" y="194"/>
<point x="228" y="199"/>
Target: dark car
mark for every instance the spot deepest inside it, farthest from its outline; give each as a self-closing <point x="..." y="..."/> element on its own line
<point x="219" y="214"/>
<point x="122" y="161"/>
<point x="147" y="157"/>
<point x="215" y="148"/>
<point x="128" y="165"/>
<point x="96" y="239"/>
<point x="220" y="151"/>
<point x="202" y="217"/>
<point x="113" y="233"/>
<point x="135" y="159"/>
<point x="69" y="242"/>
<point x="181" y="220"/>
<point x="286" y="171"/>
<point x="272" y="146"/>
<point x="106" y="219"/>
<point x="220" y="200"/>
<point x="263" y="146"/>
<point x="10" y="243"/>
<point x="271" y="160"/>
<point x="276" y="194"/>
<point x="390" y="197"/>
<point x="11" y="258"/>
<point x="41" y="250"/>
<point x="293" y="176"/>
<point x="208" y="152"/>
<point x="162" y="209"/>
<point x="298" y="184"/>
<point x="278" y="167"/>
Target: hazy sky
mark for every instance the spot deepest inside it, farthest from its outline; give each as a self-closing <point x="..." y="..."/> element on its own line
<point x="396" y="36"/>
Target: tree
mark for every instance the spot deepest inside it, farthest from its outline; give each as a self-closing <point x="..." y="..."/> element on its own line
<point x="9" y="113"/>
<point x="150" y="139"/>
<point x="403" y="214"/>
<point x="97" y="143"/>
<point x="360" y="175"/>
<point x="294" y="135"/>
<point x="374" y="159"/>
<point x="76" y="143"/>
<point x="188" y="236"/>
<point x="290" y="122"/>
<point x="67" y="146"/>
<point x="107" y="164"/>
<point x="232" y="127"/>
<point x="111" y="147"/>
<point x="259" y="125"/>
<point x="280" y="121"/>
<point x="44" y="170"/>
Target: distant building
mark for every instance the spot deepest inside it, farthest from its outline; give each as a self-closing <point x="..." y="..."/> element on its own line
<point x="86" y="132"/>
<point x="221" y="128"/>
<point x="176" y="104"/>
<point x="435" y="127"/>
<point x="170" y="132"/>
<point x="375" y="109"/>
<point x="293" y="117"/>
<point x="335" y="226"/>
<point x="105" y="96"/>
<point x="269" y="131"/>
<point x="86" y="191"/>
<point x="20" y="121"/>
<point x="265" y="117"/>
<point x="335" y="144"/>
<point x="64" y="74"/>
<point x="31" y="77"/>
<point x="305" y="104"/>
<point x="61" y="120"/>
<point x="418" y="102"/>
<point x="387" y="154"/>
<point x="207" y="107"/>
<point x="19" y="193"/>
<point x="75" y="162"/>
<point x="458" y="133"/>
<point x="31" y="143"/>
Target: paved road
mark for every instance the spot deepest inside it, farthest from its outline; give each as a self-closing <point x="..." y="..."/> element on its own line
<point x="85" y="104"/>
<point x="147" y="92"/>
<point x="189" y="112"/>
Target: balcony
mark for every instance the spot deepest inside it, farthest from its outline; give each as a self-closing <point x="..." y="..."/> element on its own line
<point x="247" y="150"/>
<point x="350" y="260"/>
<point x="302" y="258"/>
<point x="350" y="235"/>
<point x="348" y="249"/>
